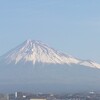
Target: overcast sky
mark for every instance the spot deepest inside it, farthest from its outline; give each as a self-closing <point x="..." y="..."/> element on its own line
<point x="71" y="26"/>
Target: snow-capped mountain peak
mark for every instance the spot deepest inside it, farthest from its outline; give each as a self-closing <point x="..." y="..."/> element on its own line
<point x="38" y="52"/>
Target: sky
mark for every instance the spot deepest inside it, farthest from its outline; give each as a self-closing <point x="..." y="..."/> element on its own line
<point x="70" y="26"/>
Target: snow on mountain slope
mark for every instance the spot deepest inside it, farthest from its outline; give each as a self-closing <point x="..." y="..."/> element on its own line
<point x="90" y="64"/>
<point x="36" y="51"/>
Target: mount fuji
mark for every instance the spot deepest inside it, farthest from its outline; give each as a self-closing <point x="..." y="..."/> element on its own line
<point x="34" y="66"/>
